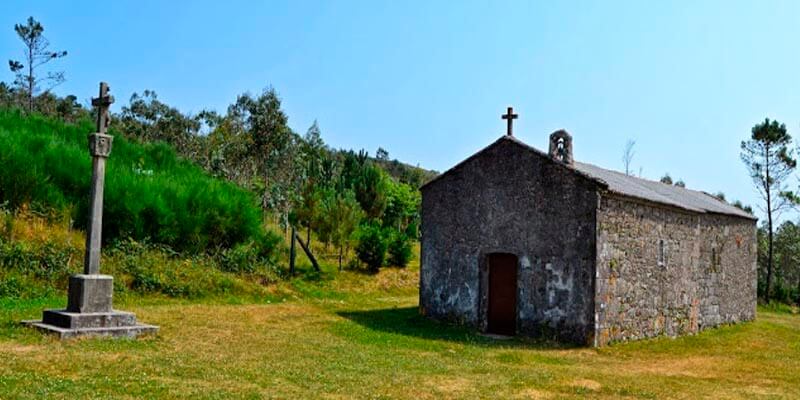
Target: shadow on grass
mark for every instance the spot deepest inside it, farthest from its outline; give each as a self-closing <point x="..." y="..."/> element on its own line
<point x="407" y="321"/>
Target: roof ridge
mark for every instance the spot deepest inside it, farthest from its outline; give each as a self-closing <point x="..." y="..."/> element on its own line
<point x="673" y="186"/>
<point x="649" y="180"/>
<point x="627" y="185"/>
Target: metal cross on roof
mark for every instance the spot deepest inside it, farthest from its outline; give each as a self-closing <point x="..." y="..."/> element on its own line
<point x="510" y="117"/>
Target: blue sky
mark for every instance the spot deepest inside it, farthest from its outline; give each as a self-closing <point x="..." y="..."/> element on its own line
<point x="428" y="80"/>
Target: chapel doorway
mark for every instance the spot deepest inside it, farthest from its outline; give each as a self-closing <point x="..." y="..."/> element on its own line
<point x="502" y="310"/>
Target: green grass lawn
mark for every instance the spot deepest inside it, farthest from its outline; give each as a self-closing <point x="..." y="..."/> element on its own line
<point x="360" y="336"/>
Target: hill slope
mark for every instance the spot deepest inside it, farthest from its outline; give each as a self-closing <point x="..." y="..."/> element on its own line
<point x="151" y="194"/>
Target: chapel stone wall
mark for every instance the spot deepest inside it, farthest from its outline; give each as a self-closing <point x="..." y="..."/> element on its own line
<point x="510" y="199"/>
<point x="662" y="271"/>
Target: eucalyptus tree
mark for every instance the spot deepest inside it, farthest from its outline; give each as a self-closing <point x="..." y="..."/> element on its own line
<point x="266" y="127"/>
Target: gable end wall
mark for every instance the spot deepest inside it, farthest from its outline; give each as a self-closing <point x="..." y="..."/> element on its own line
<point x="512" y="200"/>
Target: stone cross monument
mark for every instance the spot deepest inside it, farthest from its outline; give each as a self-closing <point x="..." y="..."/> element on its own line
<point x="89" y="309"/>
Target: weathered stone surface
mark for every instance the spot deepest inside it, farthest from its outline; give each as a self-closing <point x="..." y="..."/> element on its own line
<point x="708" y="276"/>
<point x="90" y="312"/>
<point x="70" y="320"/>
<point x="128" y="331"/>
<point x="90" y="293"/>
<point x="594" y="266"/>
<point x="511" y="200"/>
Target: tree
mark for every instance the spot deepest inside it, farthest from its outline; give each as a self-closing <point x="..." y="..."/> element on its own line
<point x="787" y="262"/>
<point x="402" y="206"/>
<point x="313" y="150"/>
<point x="323" y="224"/>
<point x="627" y="155"/>
<point x="738" y="204"/>
<point x="307" y="209"/>
<point x="148" y="119"/>
<point x="371" y="191"/>
<point x="37" y="54"/>
<point x="668" y="180"/>
<point x="399" y="249"/>
<point x="345" y="215"/>
<point x="7" y="95"/>
<point x="770" y="162"/>
<point x="266" y="126"/>
<point x="382" y="154"/>
<point x="372" y="246"/>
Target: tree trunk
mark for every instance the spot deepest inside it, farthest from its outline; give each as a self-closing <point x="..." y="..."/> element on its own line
<point x="769" y="226"/>
<point x="308" y="253"/>
<point x="769" y="258"/>
<point x="308" y="236"/>
<point x="31" y="79"/>
<point x="265" y="197"/>
<point x="292" y="255"/>
<point x="340" y="259"/>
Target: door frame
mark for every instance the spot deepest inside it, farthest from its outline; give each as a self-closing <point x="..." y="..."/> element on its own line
<point x="483" y="298"/>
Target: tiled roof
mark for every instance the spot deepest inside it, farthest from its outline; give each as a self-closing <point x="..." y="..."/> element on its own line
<point x="658" y="192"/>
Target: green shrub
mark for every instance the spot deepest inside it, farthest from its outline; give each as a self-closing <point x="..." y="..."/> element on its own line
<point x="14" y="284"/>
<point x="47" y="261"/>
<point x="150" y="193"/>
<point x="371" y="248"/>
<point x="33" y="269"/>
<point x="11" y="286"/>
<point x="248" y="257"/>
<point x="399" y="250"/>
<point x="148" y="268"/>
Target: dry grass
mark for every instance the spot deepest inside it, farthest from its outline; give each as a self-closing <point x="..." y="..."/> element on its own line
<point x="359" y="336"/>
<point x="26" y="226"/>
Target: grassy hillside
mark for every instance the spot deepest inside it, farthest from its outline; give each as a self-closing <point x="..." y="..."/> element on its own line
<point x="150" y="193"/>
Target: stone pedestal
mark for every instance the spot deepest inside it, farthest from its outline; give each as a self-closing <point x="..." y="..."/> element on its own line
<point x="89" y="312"/>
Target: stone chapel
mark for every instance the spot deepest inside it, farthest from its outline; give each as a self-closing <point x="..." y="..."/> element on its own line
<point x="516" y="241"/>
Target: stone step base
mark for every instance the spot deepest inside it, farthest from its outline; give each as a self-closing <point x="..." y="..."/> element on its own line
<point x="72" y="320"/>
<point x="131" y="331"/>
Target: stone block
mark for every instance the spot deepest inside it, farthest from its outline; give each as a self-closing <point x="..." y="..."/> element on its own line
<point x="69" y="320"/>
<point x="90" y="293"/>
<point x="131" y="331"/>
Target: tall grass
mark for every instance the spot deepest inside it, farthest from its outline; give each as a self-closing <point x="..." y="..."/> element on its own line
<point x="37" y="256"/>
<point x="150" y="193"/>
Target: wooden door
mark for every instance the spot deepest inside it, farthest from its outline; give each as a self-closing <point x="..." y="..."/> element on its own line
<point x="502" y="308"/>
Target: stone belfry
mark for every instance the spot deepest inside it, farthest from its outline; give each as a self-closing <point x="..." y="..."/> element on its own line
<point x="89" y="309"/>
<point x="561" y="147"/>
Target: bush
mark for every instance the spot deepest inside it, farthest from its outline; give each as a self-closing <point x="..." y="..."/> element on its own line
<point x="36" y="259"/>
<point x="371" y="247"/>
<point x="150" y="193"/>
<point x="46" y="261"/>
<point x="154" y="269"/>
<point x="14" y="284"/>
<point x="399" y="250"/>
<point x="246" y="258"/>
